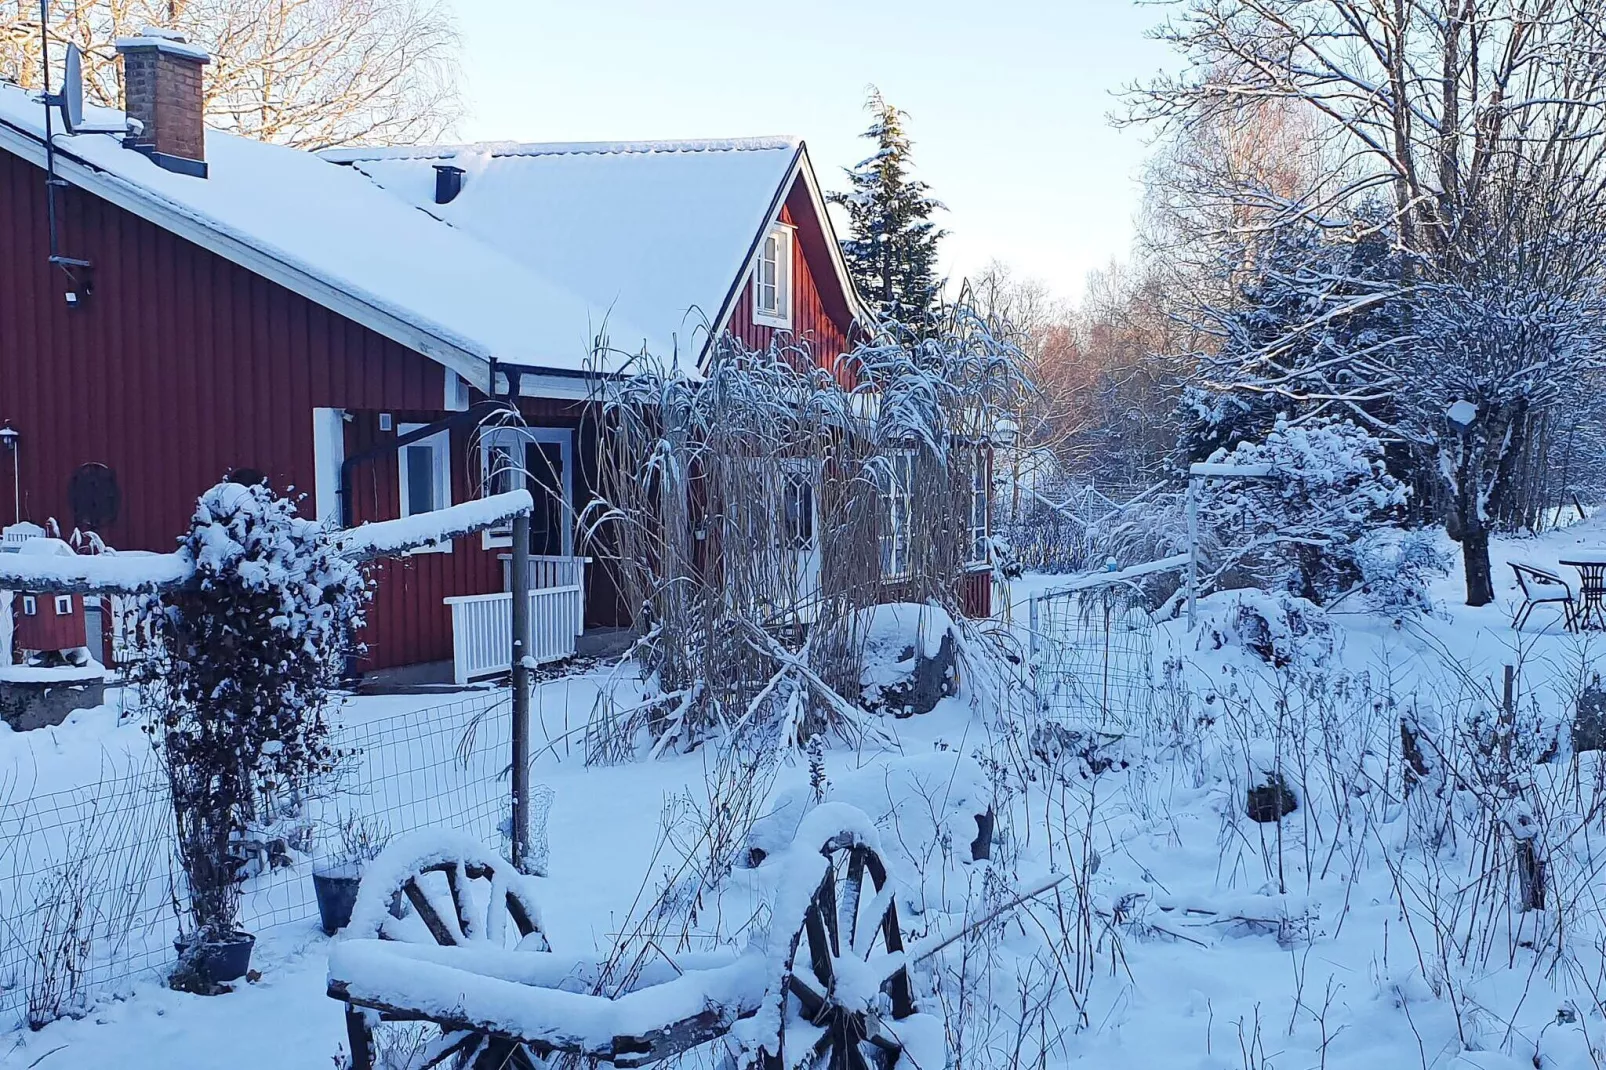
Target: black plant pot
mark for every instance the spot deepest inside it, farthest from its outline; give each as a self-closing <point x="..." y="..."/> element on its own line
<point x="216" y="962"/>
<point x="337" y="895"/>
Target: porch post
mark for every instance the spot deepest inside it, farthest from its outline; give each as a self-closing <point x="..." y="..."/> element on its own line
<point x="521" y="692"/>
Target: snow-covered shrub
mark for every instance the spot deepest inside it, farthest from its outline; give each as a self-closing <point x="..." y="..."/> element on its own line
<point x="1397" y="567"/>
<point x="910" y="658"/>
<point x="244" y="666"/>
<point x="1297" y="529"/>
<point x="1279" y="628"/>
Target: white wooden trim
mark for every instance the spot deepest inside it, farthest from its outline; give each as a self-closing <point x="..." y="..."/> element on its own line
<point x="441" y="445"/>
<point x="328" y="453"/>
<point x="802" y="167"/>
<point x="785" y="273"/>
<point x="454" y="392"/>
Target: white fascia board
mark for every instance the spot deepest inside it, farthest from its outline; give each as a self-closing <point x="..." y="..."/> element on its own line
<point x="129" y="197"/>
<point x="811" y="182"/>
<point x="804" y="169"/>
<point x="557" y="387"/>
<point x="749" y="257"/>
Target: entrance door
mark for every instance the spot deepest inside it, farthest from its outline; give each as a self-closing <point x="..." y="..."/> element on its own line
<point x="541" y="460"/>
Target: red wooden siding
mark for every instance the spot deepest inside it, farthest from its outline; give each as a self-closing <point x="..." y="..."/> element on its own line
<point x="820" y="313"/>
<point x="181" y="367"/>
<point x="46" y="629"/>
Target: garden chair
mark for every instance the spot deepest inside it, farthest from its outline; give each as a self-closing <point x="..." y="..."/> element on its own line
<point x="1540" y="586"/>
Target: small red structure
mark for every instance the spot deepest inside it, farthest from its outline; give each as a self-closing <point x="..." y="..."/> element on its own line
<point x="49" y="623"/>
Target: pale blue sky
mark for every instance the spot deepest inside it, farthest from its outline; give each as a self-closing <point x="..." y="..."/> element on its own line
<point x="1008" y="99"/>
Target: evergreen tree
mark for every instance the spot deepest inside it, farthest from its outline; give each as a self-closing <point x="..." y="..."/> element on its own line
<point x="892" y="250"/>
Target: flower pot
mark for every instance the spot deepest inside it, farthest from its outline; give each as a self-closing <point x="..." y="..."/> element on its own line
<point x="216" y="962"/>
<point x="337" y="895"/>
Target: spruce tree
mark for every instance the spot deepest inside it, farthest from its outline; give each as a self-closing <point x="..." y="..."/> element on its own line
<point x="892" y="249"/>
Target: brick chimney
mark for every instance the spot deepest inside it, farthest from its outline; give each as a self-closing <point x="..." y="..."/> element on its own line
<point x="162" y="89"/>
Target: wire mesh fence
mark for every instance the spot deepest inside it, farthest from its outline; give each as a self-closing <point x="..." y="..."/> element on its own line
<point x="1092" y="656"/>
<point x="90" y="895"/>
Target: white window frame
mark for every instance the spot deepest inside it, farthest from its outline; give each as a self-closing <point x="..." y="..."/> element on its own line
<point x="895" y="484"/>
<point x="440" y="444"/>
<point x="30" y="606"/>
<point x="780" y="315"/>
<point x="980" y="517"/>
<point x="517" y="436"/>
<point x="64" y="605"/>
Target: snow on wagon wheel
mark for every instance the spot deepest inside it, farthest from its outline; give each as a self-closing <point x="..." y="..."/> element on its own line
<point x="845" y="986"/>
<point x="443" y="888"/>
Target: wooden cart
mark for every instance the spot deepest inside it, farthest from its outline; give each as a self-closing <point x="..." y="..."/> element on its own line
<point x="451" y="936"/>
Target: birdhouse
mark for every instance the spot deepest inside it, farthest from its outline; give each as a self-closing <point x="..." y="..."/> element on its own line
<point x="49" y="623"/>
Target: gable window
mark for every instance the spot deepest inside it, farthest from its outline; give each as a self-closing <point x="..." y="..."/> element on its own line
<point x="426" y="477"/>
<point x="896" y="480"/>
<point x="30" y="605"/>
<point x="64" y="605"/>
<point x="772" y="279"/>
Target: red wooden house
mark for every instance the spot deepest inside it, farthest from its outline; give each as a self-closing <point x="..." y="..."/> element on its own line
<point x="197" y="305"/>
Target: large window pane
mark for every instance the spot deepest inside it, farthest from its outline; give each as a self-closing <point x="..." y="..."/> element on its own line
<point x="419" y="464"/>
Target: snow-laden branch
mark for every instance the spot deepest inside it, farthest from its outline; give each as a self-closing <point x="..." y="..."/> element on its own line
<point x="387" y="537"/>
<point x="142" y="573"/>
<point x="125" y="573"/>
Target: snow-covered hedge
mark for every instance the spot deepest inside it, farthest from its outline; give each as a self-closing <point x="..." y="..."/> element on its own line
<point x="245" y="661"/>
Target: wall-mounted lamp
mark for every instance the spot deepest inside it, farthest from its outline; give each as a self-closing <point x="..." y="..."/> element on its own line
<point x="10" y="436"/>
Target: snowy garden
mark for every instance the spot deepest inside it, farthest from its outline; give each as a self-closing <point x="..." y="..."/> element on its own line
<point x="1263" y="794"/>
<point x="1207" y="676"/>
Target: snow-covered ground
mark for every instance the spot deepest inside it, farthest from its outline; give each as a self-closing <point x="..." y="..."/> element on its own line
<point x="1200" y="941"/>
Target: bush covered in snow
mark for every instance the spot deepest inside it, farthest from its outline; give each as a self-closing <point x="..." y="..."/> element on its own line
<point x="1396" y="568"/>
<point x="240" y="676"/>
<point x="1279" y="628"/>
<point x="1298" y="529"/>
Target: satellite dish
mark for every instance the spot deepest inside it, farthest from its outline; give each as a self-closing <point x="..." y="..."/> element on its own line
<point x="72" y="90"/>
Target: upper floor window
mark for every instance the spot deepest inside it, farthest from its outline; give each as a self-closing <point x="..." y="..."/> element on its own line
<point x="772" y="279"/>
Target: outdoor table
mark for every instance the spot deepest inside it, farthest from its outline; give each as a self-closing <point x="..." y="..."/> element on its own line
<point x="1591" y="566"/>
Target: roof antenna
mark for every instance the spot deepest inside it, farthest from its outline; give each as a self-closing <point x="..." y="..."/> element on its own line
<point x="71" y="102"/>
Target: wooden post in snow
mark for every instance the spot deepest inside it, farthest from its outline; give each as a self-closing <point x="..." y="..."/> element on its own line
<point x="521" y="692"/>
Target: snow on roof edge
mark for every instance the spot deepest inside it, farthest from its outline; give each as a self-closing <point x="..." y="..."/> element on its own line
<point x="784" y="142"/>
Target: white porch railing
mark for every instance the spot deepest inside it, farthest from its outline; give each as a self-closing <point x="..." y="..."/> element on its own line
<point x="547" y="571"/>
<point x="482" y="629"/>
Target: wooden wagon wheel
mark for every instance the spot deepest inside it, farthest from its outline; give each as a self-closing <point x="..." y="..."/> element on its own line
<point x="845" y="985"/>
<point x="472" y="901"/>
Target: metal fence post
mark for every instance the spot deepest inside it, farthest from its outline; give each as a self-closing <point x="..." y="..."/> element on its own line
<point x="521" y="692"/>
<point x="1031" y="627"/>
<point x="1193" y="547"/>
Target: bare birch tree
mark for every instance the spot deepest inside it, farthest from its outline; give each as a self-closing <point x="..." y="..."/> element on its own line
<point x="308" y="73"/>
<point x="1480" y="125"/>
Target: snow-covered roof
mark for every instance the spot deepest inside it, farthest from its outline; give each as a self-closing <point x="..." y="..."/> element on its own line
<point x="332" y="234"/>
<point x="660" y="232"/>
